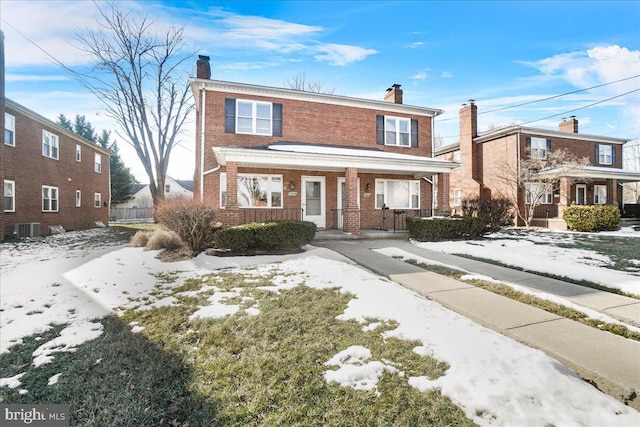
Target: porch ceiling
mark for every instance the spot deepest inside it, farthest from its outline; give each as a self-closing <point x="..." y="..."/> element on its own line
<point x="594" y="172"/>
<point x="332" y="159"/>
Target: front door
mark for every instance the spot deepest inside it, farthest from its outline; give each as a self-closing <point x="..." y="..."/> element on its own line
<point x="314" y="200"/>
<point x="581" y="194"/>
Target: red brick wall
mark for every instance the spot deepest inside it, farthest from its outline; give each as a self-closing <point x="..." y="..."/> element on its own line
<point x="30" y="170"/>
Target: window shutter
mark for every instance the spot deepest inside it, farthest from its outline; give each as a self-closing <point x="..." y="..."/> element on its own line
<point x="597" y="155"/>
<point x="277" y="119"/>
<point x="414" y="133"/>
<point x="230" y="115"/>
<point x="380" y="129"/>
<point x="548" y="144"/>
<point x="613" y="155"/>
<point x="528" y="146"/>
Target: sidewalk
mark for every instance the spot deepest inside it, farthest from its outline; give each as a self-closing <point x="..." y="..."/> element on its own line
<point x="608" y="361"/>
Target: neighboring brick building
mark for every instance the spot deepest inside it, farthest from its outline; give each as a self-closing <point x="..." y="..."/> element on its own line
<point x="485" y="158"/>
<point x="51" y="176"/>
<point x="266" y="152"/>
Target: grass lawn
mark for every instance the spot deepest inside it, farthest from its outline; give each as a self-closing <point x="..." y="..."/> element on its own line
<point x="238" y="370"/>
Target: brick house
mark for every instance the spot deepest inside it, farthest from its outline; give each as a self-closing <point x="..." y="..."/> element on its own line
<point x="341" y="162"/>
<point x="51" y="176"/>
<point x="486" y="157"/>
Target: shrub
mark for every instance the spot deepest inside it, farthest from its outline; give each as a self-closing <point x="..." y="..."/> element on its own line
<point x="496" y="211"/>
<point x="267" y="236"/>
<point x="434" y="229"/>
<point x="592" y="218"/>
<point x="163" y="239"/>
<point x="192" y="220"/>
<point x="140" y="239"/>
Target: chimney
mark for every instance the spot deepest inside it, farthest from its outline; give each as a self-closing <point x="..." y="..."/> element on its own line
<point x="394" y="94"/>
<point x="203" y="68"/>
<point x="469" y="120"/>
<point x="569" y="125"/>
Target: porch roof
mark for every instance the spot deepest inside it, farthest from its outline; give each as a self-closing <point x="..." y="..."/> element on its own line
<point x="332" y="159"/>
<point x="595" y="172"/>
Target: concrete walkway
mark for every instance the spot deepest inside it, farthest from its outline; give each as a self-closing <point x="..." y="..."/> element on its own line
<point x="607" y="361"/>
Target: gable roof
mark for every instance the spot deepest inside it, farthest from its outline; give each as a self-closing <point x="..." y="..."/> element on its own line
<point x="186" y="184"/>
<point x="510" y="130"/>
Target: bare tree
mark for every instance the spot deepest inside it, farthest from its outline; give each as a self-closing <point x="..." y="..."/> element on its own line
<point x="138" y="75"/>
<point x="631" y="158"/>
<point x="537" y="179"/>
<point x="300" y="82"/>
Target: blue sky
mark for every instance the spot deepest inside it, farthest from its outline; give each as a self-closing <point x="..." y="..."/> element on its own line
<point x="442" y="53"/>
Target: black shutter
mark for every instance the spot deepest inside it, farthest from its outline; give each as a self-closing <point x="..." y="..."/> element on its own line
<point x="414" y="133"/>
<point x="527" y="150"/>
<point x="277" y="119"/>
<point x="613" y="155"/>
<point x="230" y="115"/>
<point x="380" y="129"/>
<point x="597" y="162"/>
<point x="548" y="144"/>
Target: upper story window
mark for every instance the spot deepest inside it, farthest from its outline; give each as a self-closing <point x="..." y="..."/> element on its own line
<point x="49" y="145"/>
<point x="167" y="188"/>
<point x="98" y="163"/>
<point x="78" y="153"/>
<point x="253" y="117"/>
<point x="538" y="147"/>
<point x="49" y="199"/>
<point x="9" y="196"/>
<point x="396" y="131"/>
<point x="605" y="154"/>
<point x="397" y="194"/>
<point x="9" y="130"/>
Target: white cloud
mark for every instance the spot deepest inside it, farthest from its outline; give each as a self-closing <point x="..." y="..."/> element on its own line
<point x="341" y="54"/>
<point x="415" y="45"/>
<point x="35" y="78"/>
<point x="446" y="74"/>
<point x="422" y="74"/>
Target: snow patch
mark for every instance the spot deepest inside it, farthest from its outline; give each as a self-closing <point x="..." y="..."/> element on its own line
<point x="354" y="371"/>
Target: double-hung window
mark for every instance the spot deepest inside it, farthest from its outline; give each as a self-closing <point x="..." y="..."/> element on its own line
<point x="49" y="199"/>
<point x="538" y="193"/>
<point x="98" y="163"/>
<point x="9" y="130"/>
<point x="599" y="194"/>
<point x="78" y="153"/>
<point x="605" y="154"/>
<point x="253" y="117"/>
<point x="259" y="191"/>
<point x="97" y="200"/>
<point x="78" y="198"/>
<point x="9" y="196"/>
<point x="397" y="194"/>
<point x="538" y="148"/>
<point x="457" y="197"/>
<point x="397" y="131"/>
<point x="49" y="145"/>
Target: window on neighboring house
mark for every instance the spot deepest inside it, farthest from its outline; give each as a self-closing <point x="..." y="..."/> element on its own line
<point x="78" y="198"/>
<point x="49" y="199"/>
<point x="223" y="190"/>
<point x="9" y="130"/>
<point x="167" y="188"/>
<point x="538" y="193"/>
<point x="49" y="145"/>
<point x="98" y="163"/>
<point x="9" y="196"/>
<point x="599" y="194"/>
<point x="78" y="153"/>
<point x="259" y="191"/>
<point x="97" y="200"/>
<point x="457" y="197"/>
<point x="397" y="194"/>
<point x="456" y="156"/>
<point x="435" y="199"/>
<point x="605" y="154"/>
<point x="397" y="131"/>
<point x="538" y="147"/>
<point x="253" y="117"/>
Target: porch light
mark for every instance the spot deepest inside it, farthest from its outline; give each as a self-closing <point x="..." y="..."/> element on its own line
<point x="367" y="187"/>
<point x="292" y="186"/>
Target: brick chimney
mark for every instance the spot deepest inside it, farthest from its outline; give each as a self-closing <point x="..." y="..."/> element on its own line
<point x="470" y="152"/>
<point x="394" y="94"/>
<point x="569" y="125"/>
<point x="203" y="68"/>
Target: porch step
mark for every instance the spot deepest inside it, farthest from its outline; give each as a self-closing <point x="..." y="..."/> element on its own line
<point x="324" y="235"/>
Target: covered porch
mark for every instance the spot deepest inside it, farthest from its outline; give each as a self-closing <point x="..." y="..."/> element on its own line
<point x="346" y="189"/>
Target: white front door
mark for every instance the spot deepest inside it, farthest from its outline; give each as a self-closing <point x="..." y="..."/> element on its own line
<point x="342" y="199"/>
<point x="581" y="194"/>
<point x="314" y="200"/>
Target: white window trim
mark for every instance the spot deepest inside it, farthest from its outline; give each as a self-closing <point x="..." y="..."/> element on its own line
<point x="223" y="190"/>
<point x="412" y="193"/>
<point x="13" y="196"/>
<point x="54" y="142"/>
<point x="604" y="156"/>
<point x="599" y="201"/>
<point x="97" y="165"/>
<point x="57" y="199"/>
<point x="9" y="119"/>
<point x="78" y="198"/>
<point x="457" y="197"/>
<point x="269" y="177"/>
<point x="546" y="198"/>
<point x="254" y="117"/>
<point x="397" y="131"/>
<point x="97" y="200"/>
<point x="78" y="153"/>
<point x="537" y="149"/>
<point x="584" y="188"/>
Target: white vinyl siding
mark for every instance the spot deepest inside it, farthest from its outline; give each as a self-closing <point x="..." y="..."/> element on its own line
<point x="49" y="145"/>
<point x="397" y="194"/>
<point x="49" y="199"/>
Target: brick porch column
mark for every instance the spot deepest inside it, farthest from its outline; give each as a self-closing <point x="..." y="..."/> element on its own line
<point x="565" y="195"/>
<point x="351" y="212"/>
<point x="232" y="211"/>
<point x="443" y="194"/>
<point x="612" y="191"/>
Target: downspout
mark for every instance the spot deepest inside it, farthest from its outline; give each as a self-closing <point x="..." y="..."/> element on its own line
<point x="518" y="177"/>
<point x="202" y="133"/>
<point x="433" y="153"/>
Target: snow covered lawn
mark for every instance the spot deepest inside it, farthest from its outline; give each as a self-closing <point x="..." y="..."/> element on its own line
<point x="386" y="346"/>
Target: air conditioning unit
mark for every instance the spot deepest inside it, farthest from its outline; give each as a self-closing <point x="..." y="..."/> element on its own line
<point x="28" y="230"/>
